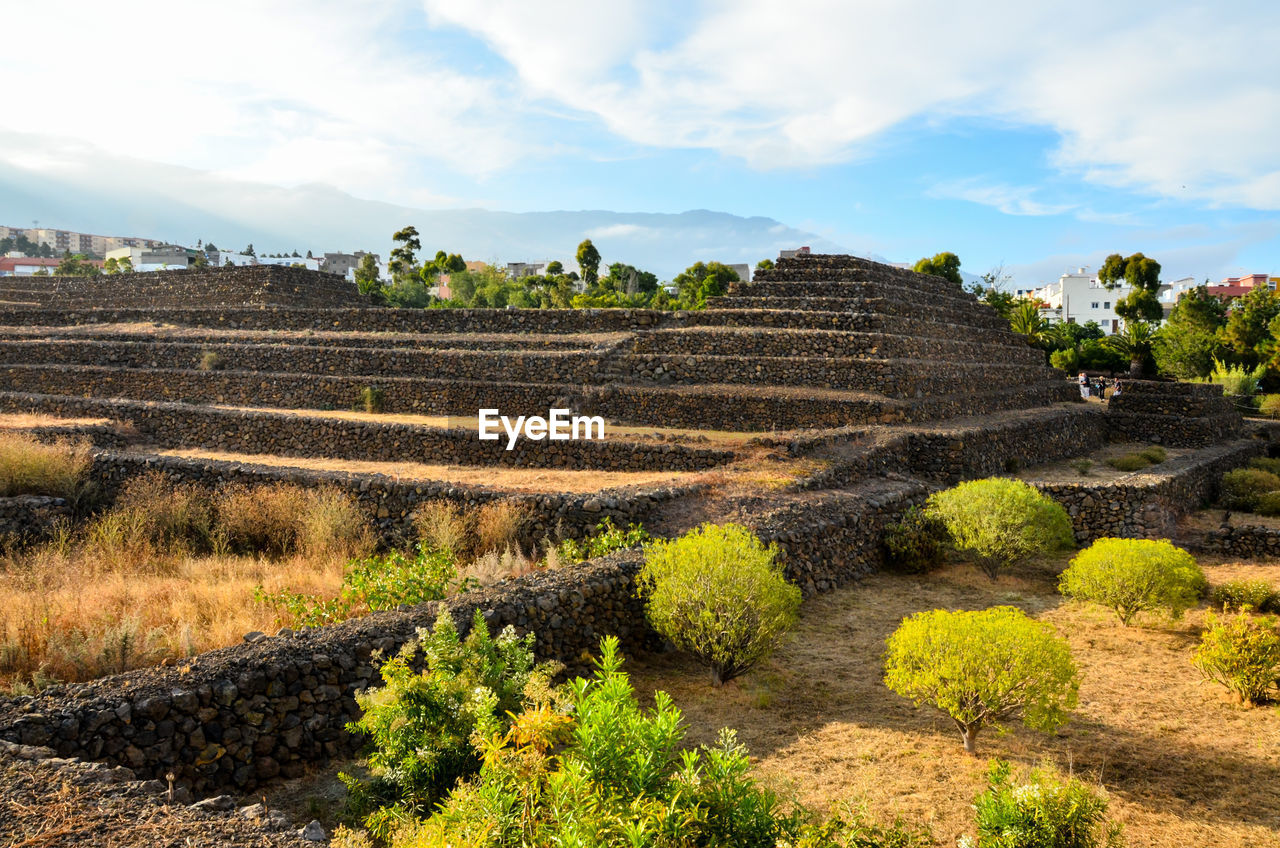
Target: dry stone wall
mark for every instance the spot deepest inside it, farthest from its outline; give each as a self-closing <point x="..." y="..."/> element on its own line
<point x="1176" y="414"/>
<point x="25" y="519"/>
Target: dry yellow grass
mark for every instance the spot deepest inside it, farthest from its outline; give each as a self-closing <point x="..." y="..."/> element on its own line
<point x="1184" y="765"/>
<point x="28" y="467"/>
<point x="73" y="615"/>
<point x="25" y="420"/>
<point x="506" y="479"/>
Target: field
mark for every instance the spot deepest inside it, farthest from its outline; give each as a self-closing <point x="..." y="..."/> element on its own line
<point x="1183" y="764"/>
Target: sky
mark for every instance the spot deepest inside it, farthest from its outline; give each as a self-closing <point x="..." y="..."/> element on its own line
<point x="1034" y="136"/>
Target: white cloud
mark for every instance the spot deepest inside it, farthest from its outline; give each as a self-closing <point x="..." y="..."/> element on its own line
<point x="621" y="231"/>
<point x="1011" y="200"/>
<point x="1176" y="99"/>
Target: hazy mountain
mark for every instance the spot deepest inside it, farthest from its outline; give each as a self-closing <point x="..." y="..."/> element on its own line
<point x="88" y="191"/>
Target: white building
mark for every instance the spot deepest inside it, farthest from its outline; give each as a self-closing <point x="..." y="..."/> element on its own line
<point x="288" y="261"/>
<point x="167" y="257"/>
<point x="221" y="258"/>
<point x="519" y="270"/>
<point x="1078" y="298"/>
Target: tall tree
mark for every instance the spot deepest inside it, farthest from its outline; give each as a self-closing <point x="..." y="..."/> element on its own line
<point x="1191" y="339"/>
<point x="404" y="256"/>
<point x="1142" y="275"/>
<point x="589" y="262"/>
<point x="703" y="280"/>
<point x="945" y="265"/>
<point x="1135" y="342"/>
<point x="554" y="268"/>
<point x="1248" y="331"/>
<point x="75" y="265"/>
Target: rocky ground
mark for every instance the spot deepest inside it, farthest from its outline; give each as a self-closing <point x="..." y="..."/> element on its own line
<point x="46" y="800"/>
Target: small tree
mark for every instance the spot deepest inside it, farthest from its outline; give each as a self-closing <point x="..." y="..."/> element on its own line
<point x="1133" y="575"/>
<point x="588" y="262"/>
<point x="999" y="521"/>
<point x="1043" y="812"/>
<point x="1241" y="653"/>
<point x="945" y="265"/>
<point x="719" y="594"/>
<point x="982" y="668"/>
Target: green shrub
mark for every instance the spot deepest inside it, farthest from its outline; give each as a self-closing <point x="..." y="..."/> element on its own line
<point x="370" y="584"/>
<point x="998" y="521"/>
<point x="915" y="543"/>
<point x="1129" y="462"/>
<point x="1241" y="653"/>
<point x="1153" y="454"/>
<point x="1239" y="594"/>
<point x="1266" y="463"/>
<point x="369" y="399"/>
<point x="1134" y="575"/>
<point x="982" y="668"/>
<point x="1268" y="504"/>
<point x="1243" y="487"/>
<point x="420" y="724"/>
<point x="1082" y="466"/>
<point x="719" y="594"/>
<point x="604" y="541"/>
<point x="1269" y="406"/>
<point x="602" y="771"/>
<point x="1236" y="381"/>
<point x="1068" y="360"/>
<point x="1043" y="812"/>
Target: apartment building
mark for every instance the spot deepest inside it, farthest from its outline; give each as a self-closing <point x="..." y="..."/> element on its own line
<point x="1080" y="297"/>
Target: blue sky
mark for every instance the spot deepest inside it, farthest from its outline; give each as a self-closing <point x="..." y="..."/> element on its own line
<point x="1041" y="136"/>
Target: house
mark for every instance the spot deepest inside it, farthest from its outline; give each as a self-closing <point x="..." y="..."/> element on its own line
<point x="289" y="261"/>
<point x="1080" y="297"/>
<point x="169" y="257"/>
<point x="1227" y="290"/>
<point x="519" y="270"/>
<point x="25" y="266"/>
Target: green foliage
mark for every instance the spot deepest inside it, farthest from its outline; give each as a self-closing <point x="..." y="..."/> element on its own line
<point x="629" y="280"/>
<point x="370" y="399"/>
<point x="1236" y="381"/>
<point x="1248" y="333"/>
<point x="1025" y="320"/>
<point x="1142" y="275"/>
<point x="1097" y="355"/>
<point x="26" y="247"/>
<point x="1245" y="594"/>
<point x="999" y="521"/>
<point x="605" y="540"/>
<point x="403" y="261"/>
<point x="1043" y="812"/>
<point x="76" y="265"/>
<point x="1266" y="463"/>
<point x="1135" y="575"/>
<point x="1189" y="341"/>
<point x="945" y="265"/>
<point x="588" y="262"/>
<point x="367" y="278"/>
<point x="703" y="280"/>
<point x="604" y="772"/>
<point x="1242" y="488"/>
<point x="1068" y="360"/>
<point x="373" y="583"/>
<point x="1242" y="653"/>
<point x="420" y="725"/>
<point x="1128" y="462"/>
<point x="982" y="668"/>
<point x="1154" y="454"/>
<point x="1082" y="466"/>
<point x="764" y="265"/>
<point x="1135" y="342"/>
<point x="719" y="594"/>
<point x="915" y="543"/>
<point x="1269" y="406"/>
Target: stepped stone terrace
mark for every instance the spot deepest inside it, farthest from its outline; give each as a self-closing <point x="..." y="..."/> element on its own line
<point x="813" y="404"/>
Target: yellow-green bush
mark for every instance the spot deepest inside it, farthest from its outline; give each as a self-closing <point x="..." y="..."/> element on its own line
<point x="1134" y="575"/>
<point x="1238" y="594"/>
<point x="1242" y="653"/>
<point x="719" y="594"/>
<point x="1266" y="463"/>
<point x="982" y="668"/>
<point x="1269" y="406"/>
<point x="1242" y="488"/>
<point x="999" y="521"/>
<point x="28" y="467"/>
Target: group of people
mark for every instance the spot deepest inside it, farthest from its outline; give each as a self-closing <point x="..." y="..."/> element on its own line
<point x="1096" y="386"/>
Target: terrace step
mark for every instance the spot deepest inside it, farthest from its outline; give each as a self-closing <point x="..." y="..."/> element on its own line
<point x="976" y="316"/>
<point x="180" y="425"/>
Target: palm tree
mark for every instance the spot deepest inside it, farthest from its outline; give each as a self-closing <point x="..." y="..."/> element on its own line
<point x="1135" y="342"/>
<point x="1025" y="320"/>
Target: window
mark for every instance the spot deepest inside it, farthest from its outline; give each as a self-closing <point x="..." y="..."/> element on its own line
<point x="1093" y="305"/>
<point x="1106" y="305"/>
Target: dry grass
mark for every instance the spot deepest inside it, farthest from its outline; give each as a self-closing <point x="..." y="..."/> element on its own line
<point x="498" y="525"/>
<point x="27" y="420"/>
<point x="73" y="615"/>
<point x="1100" y="472"/>
<point x="506" y="479"/>
<point x="28" y="467"/>
<point x="493" y="528"/>
<point x="1184" y="765"/>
